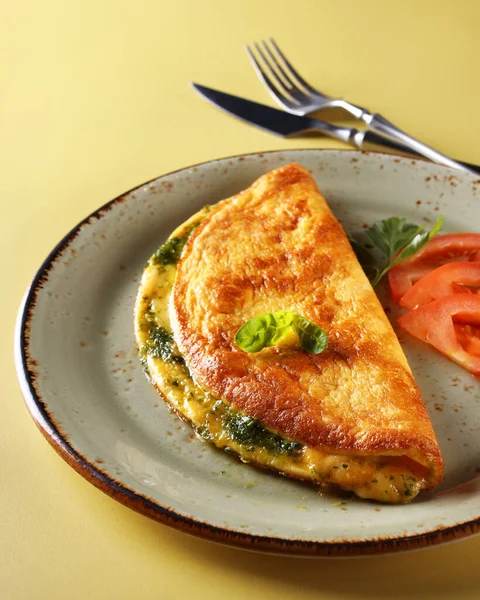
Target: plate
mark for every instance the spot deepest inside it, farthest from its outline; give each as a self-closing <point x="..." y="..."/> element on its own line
<point x="85" y="388"/>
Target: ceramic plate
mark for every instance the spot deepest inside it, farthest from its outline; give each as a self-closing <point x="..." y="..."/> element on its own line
<point x="86" y="390"/>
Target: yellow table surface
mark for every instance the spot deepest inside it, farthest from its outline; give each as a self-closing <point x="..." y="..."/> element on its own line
<point x="94" y="99"/>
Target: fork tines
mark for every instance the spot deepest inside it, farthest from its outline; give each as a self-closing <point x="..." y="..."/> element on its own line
<point x="282" y="80"/>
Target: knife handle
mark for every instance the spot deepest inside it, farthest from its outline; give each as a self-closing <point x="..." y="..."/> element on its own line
<point x="380" y="140"/>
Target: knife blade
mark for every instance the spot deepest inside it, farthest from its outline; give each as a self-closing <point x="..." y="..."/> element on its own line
<point x="286" y="124"/>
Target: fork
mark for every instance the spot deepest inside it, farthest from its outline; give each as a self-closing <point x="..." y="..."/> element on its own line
<point x="297" y="96"/>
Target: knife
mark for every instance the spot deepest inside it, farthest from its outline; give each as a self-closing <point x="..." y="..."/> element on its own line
<point x="289" y="125"/>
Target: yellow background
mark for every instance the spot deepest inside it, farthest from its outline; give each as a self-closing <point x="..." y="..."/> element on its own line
<point x="94" y="99"/>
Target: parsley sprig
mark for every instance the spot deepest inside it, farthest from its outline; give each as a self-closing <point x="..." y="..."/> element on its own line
<point x="397" y="239"/>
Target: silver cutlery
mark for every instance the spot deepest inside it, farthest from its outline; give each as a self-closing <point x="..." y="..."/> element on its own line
<point x="298" y="97"/>
<point x="288" y="125"/>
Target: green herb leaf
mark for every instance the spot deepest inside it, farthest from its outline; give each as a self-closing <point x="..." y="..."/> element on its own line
<point x="270" y="329"/>
<point x="263" y="331"/>
<point x="397" y="239"/>
<point x="417" y="243"/>
<point x="312" y="338"/>
<point x="391" y="235"/>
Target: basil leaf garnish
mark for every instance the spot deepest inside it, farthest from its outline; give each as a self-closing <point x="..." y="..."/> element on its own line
<point x="270" y="329"/>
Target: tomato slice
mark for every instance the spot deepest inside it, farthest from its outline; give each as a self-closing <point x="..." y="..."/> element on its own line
<point x="451" y="278"/>
<point x="450" y="247"/>
<point x="450" y="325"/>
<point x="469" y="338"/>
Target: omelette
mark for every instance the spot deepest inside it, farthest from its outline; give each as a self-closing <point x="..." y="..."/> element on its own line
<point x="350" y="417"/>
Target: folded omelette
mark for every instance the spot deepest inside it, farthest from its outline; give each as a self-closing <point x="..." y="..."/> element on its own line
<point x="350" y="417"/>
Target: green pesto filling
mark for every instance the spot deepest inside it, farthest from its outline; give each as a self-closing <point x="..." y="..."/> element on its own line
<point x="409" y="483"/>
<point x="169" y="253"/>
<point x="248" y="432"/>
<point x="160" y="342"/>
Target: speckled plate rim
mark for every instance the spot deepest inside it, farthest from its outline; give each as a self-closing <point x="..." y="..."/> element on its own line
<point x="146" y="506"/>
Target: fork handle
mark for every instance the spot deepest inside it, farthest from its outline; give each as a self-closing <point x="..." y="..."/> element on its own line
<point x="370" y="137"/>
<point x="379" y="124"/>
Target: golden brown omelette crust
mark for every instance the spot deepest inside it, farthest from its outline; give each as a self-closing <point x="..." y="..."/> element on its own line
<point x="277" y="246"/>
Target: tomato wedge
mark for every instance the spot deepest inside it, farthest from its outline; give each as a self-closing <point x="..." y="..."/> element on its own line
<point x="451" y="326"/>
<point x="469" y="338"/>
<point x="451" y="278"/>
<point x="458" y="247"/>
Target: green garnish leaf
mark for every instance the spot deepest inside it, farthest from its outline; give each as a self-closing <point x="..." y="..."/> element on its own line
<point x="397" y="239"/>
<point x="263" y="331"/>
<point x="417" y="243"/>
<point x="270" y="329"/>
<point x="313" y="339"/>
<point x="391" y="235"/>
